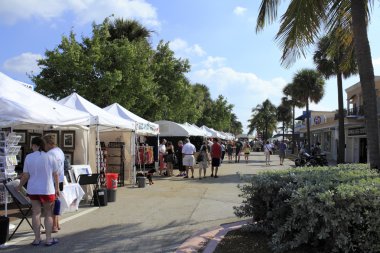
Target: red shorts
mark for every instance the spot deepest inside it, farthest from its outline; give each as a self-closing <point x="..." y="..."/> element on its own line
<point x="43" y="198"/>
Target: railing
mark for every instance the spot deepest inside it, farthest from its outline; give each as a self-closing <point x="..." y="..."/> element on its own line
<point x="356" y="111"/>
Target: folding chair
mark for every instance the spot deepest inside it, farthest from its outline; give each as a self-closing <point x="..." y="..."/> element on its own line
<point x="91" y="179"/>
<point x="21" y="201"/>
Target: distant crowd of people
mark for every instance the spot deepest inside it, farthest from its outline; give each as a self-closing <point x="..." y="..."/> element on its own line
<point x="211" y="153"/>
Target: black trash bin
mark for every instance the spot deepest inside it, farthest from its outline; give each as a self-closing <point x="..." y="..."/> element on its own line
<point x="141" y="182"/>
<point x="4" y="229"/>
<point x="111" y="195"/>
<point x="102" y="195"/>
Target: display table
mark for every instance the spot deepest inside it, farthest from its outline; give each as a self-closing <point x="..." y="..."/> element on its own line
<point x="70" y="197"/>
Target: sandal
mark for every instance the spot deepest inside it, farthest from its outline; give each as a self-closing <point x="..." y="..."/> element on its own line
<point x="36" y="243"/>
<point x="52" y="242"/>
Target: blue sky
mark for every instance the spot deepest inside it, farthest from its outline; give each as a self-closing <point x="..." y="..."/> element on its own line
<point x="218" y="37"/>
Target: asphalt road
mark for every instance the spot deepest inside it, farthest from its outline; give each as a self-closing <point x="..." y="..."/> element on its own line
<point x="156" y="218"/>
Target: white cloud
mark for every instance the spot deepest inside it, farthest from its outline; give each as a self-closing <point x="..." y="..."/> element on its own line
<point x="212" y="61"/>
<point x="86" y="11"/>
<point x="182" y="48"/>
<point x="24" y="63"/>
<point x="240" y="11"/>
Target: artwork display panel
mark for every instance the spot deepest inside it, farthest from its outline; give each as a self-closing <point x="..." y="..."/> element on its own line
<point x="68" y="139"/>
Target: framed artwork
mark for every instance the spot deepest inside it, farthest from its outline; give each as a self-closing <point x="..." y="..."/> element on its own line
<point x="69" y="156"/>
<point x="23" y="134"/>
<point x="31" y="136"/>
<point x="68" y="139"/>
<point x="55" y="133"/>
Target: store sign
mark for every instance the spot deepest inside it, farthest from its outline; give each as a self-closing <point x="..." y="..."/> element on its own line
<point x="356" y="131"/>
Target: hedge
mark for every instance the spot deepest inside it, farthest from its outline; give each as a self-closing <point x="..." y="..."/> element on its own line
<point x="329" y="209"/>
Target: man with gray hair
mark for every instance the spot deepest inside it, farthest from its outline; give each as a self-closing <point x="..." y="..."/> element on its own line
<point x="188" y="151"/>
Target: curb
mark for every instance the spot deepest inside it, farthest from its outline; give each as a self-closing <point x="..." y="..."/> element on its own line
<point x="210" y="238"/>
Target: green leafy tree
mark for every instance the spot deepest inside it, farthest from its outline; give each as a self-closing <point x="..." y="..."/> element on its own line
<point x="335" y="57"/>
<point x="308" y="85"/>
<point x="301" y="25"/>
<point x="236" y="127"/>
<point x="100" y="70"/>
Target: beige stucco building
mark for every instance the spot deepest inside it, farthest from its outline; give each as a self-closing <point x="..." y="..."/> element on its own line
<point x="324" y="127"/>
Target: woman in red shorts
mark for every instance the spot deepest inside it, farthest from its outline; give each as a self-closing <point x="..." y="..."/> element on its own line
<point x="41" y="173"/>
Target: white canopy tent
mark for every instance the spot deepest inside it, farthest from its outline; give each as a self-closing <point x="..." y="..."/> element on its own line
<point x="99" y="117"/>
<point x="103" y="120"/>
<point x="197" y="131"/>
<point x="170" y="128"/>
<point x="20" y="105"/>
<point x="214" y="133"/>
<point x="143" y="126"/>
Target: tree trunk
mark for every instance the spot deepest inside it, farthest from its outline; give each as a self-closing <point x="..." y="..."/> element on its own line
<point x="308" y="125"/>
<point x="293" y="135"/>
<point x="341" y="143"/>
<point x="367" y="79"/>
<point x="283" y="131"/>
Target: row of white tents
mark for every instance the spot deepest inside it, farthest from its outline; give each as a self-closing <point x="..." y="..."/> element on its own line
<point x="23" y="108"/>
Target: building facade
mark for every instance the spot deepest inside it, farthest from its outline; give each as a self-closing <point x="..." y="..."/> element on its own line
<point x="324" y="127"/>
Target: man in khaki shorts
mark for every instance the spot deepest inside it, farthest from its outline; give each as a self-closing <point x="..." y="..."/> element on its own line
<point x="188" y="151"/>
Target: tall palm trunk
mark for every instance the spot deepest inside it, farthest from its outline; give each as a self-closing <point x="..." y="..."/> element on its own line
<point x="341" y="143"/>
<point x="308" y="125"/>
<point x="367" y="79"/>
<point x="293" y="135"/>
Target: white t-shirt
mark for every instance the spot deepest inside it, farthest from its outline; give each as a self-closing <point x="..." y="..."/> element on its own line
<point x="162" y="148"/>
<point x="59" y="158"/>
<point x="40" y="167"/>
<point x="188" y="149"/>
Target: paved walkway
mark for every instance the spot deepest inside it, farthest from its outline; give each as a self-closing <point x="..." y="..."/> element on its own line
<point x="165" y="217"/>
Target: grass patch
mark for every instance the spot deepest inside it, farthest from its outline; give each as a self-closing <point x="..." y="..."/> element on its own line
<point x="241" y="241"/>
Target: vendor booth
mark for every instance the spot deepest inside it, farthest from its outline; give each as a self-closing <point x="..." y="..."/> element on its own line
<point x="144" y="158"/>
<point x="25" y="114"/>
<point x="111" y="139"/>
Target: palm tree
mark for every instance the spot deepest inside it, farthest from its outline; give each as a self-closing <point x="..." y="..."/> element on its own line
<point x="308" y="85"/>
<point x="289" y="92"/>
<point x="284" y="114"/>
<point x="301" y="25"/>
<point x="129" y="29"/>
<point x="263" y="119"/>
<point x="334" y="57"/>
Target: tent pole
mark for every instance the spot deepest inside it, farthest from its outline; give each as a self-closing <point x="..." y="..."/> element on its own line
<point x="98" y="150"/>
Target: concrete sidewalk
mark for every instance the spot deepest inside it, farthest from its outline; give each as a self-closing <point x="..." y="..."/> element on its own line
<point x="157" y="218"/>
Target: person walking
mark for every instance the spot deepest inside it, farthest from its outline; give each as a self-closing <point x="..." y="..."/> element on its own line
<point x="204" y="161"/>
<point x="178" y="153"/>
<point x="229" y="151"/>
<point x="188" y="151"/>
<point x="282" y="151"/>
<point x="223" y="151"/>
<point x="216" y="154"/>
<point x="161" y="154"/>
<point x="238" y="146"/>
<point x="267" y="152"/>
<point x="58" y="155"/>
<point x="247" y="151"/>
<point x="41" y="172"/>
<point x="169" y="158"/>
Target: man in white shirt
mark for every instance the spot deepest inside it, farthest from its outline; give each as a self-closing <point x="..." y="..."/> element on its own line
<point x="59" y="158"/>
<point x="188" y="151"/>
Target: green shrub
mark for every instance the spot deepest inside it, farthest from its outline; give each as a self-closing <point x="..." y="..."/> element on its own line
<point x="333" y="209"/>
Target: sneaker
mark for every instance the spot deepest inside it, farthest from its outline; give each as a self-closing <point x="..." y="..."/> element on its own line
<point x="192" y="176"/>
<point x="216" y="176"/>
<point x="212" y="175"/>
<point x="185" y="177"/>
